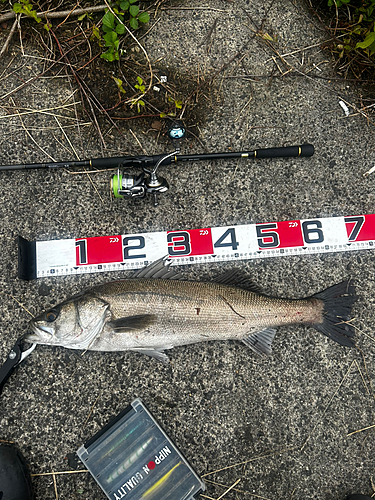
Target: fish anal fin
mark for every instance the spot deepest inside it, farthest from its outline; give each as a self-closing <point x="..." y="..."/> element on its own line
<point x="261" y="342"/>
<point x="132" y="323"/>
<point x="235" y="277"/>
<point x="154" y="353"/>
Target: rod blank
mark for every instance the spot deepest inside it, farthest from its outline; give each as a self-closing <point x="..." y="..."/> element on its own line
<point x="304" y="150"/>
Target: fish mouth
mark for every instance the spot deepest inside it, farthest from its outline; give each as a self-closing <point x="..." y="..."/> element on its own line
<point x="39" y="333"/>
<point x="46" y="329"/>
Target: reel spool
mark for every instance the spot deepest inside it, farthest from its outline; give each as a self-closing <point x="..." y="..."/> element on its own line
<point x="137" y="186"/>
<point x="123" y="185"/>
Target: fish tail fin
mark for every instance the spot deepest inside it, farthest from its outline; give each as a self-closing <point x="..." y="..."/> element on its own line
<point x="338" y="301"/>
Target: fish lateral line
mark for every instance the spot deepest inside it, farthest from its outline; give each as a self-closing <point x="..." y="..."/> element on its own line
<point x="231" y="307"/>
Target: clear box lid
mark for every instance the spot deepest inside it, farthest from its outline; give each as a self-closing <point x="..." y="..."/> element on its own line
<point x="132" y="458"/>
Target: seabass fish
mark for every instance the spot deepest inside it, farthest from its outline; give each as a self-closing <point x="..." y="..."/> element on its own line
<point x="155" y="310"/>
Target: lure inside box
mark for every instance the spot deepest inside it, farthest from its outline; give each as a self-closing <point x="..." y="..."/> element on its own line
<point x="133" y="458"/>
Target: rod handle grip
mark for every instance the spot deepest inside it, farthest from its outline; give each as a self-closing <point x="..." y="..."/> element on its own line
<point x="289" y="151"/>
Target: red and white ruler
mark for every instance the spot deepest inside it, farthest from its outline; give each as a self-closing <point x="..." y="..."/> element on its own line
<point x="189" y="246"/>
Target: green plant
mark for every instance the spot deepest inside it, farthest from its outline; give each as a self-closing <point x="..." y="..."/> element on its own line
<point x="140" y="85"/>
<point x="114" y="25"/>
<point x="338" y="3"/>
<point x="359" y="30"/>
<point x="178" y="105"/>
<point x="368" y="43"/>
<point x="119" y="85"/>
<point x="142" y="88"/>
<point x="25" y="7"/>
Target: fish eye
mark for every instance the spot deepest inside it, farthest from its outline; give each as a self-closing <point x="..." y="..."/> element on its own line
<point x="52" y="315"/>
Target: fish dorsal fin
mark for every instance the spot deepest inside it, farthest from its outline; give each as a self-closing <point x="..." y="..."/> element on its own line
<point x="261" y="342"/>
<point x="154" y="353"/>
<point x="235" y="277"/>
<point x="158" y="269"/>
<point x="132" y="323"/>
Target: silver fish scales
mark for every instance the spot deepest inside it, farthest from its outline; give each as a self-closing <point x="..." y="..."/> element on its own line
<point x="154" y="311"/>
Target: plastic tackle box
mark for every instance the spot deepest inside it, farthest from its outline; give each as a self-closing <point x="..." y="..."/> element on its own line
<point x="132" y="458"/>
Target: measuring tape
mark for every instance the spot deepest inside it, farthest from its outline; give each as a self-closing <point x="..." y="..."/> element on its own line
<point x="190" y="246"/>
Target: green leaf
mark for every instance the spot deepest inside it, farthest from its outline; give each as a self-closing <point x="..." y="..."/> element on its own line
<point x="133" y="1"/>
<point x="106" y="29"/>
<point x="34" y="16"/>
<point x="109" y="56"/>
<point x="266" y="36"/>
<point x="96" y="32"/>
<point x="108" y="20"/>
<point x="133" y="23"/>
<point x="141" y="103"/>
<point x="144" y="17"/>
<point x="17" y="7"/>
<point x="110" y="38"/>
<point x="139" y="79"/>
<point x="119" y="84"/>
<point x="120" y="29"/>
<point x="134" y="10"/>
<point x="81" y="18"/>
<point x="163" y="115"/>
<point x="178" y="104"/>
<point x="369" y="40"/>
<point x="125" y="5"/>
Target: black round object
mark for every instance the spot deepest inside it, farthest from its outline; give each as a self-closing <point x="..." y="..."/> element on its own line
<point x="15" y="481"/>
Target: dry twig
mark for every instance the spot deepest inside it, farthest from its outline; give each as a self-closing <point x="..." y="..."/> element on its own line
<point x="228" y="490"/>
<point x="328" y="405"/>
<point x="9" y="37"/>
<point x="56" y="15"/>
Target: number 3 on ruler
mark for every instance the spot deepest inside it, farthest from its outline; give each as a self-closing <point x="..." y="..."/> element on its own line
<point x="179" y="243"/>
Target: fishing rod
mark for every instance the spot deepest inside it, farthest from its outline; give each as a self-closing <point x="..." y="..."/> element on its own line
<point x="148" y="182"/>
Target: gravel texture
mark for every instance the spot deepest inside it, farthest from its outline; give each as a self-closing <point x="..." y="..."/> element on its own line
<point x="279" y="424"/>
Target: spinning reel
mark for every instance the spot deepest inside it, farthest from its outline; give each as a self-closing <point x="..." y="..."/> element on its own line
<point x="148" y="182"/>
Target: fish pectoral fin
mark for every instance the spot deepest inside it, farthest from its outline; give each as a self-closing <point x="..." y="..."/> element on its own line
<point x="154" y="353"/>
<point x="235" y="277"/>
<point x="132" y="323"/>
<point x="261" y="342"/>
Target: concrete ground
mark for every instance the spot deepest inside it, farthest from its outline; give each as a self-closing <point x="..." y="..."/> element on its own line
<point x="284" y="425"/>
